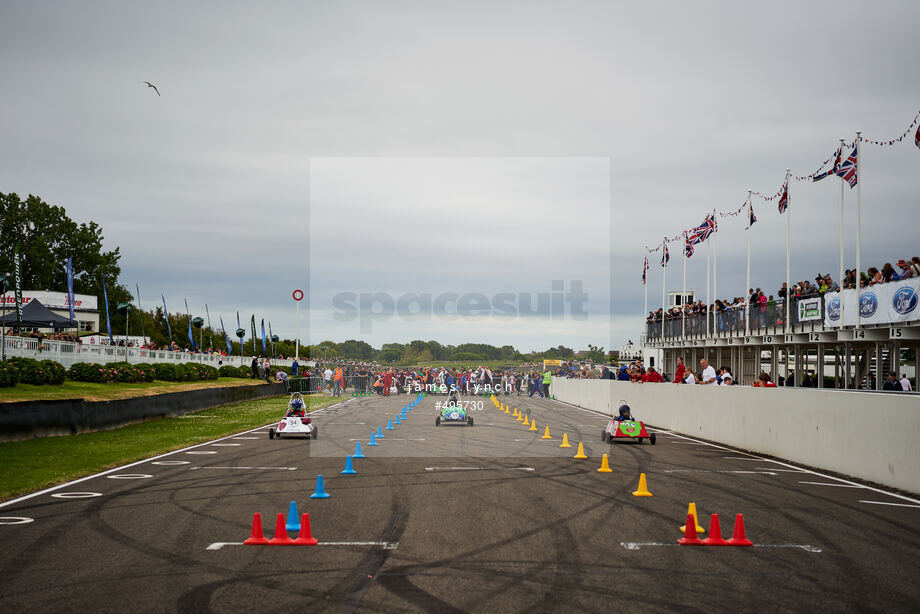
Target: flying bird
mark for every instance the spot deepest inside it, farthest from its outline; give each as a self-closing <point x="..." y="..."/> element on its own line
<point x="149" y="84"/>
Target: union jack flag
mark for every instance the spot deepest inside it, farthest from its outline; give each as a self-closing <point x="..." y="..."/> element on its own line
<point x="784" y="199"/>
<point x="688" y="247"/>
<point x="751" y="217"/>
<point x="917" y="137"/>
<point x="847" y="170"/>
<point x="832" y="170"/>
<point x="700" y="233"/>
<point x="665" y="257"/>
<point x="644" y="270"/>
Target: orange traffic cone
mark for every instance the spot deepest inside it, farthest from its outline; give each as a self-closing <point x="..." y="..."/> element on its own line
<point x="546" y="434"/>
<point x="604" y="468"/>
<point x="565" y="441"/>
<point x="690" y="538"/>
<point x="255" y="537"/>
<point x="738" y="538"/>
<point x="691" y="511"/>
<point x="642" y="491"/>
<point x="715" y="533"/>
<point x="281" y="537"/>
<point x="580" y="455"/>
<point x="306" y="536"/>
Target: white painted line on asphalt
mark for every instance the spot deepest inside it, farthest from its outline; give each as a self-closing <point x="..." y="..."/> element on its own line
<point x="134" y="464"/>
<point x="832" y="484"/>
<point x="717" y="471"/>
<point x="744" y="458"/>
<point x="384" y="545"/>
<point x="887" y="503"/>
<point x="76" y="495"/>
<point x="640" y="545"/>
<point x="247" y="438"/>
<point x="226" y="445"/>
<point x="479" y="469"/>
<point x="782" y="470"/>
<point x="15" y="520"/>
<point x="202" y="452"/>
<point x="793" y="468"/>
<point x="130" y="476"/>
<point x="261" y="468"/>
<point x="170" y="463"/>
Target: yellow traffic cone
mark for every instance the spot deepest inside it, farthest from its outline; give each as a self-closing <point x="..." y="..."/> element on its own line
<point x="604" y="468"/>
<point x="518" y="416"/>
<point x="526" y="420"/>
<point x="565" y="441"/>
<point x="533" y="426"/>
<point x="643" y="488"/>
<point x="546" y="434"/>
<point x="691" y="510"/>
<point x="581" y="451"/>
<point x="507" y="410"/>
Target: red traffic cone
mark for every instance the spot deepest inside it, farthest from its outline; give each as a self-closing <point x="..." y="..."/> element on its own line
<point x="715" y="533"/>
<point x="738" y="538"/>
<point x="281" y="537"/>
<point x="256" y="538"/>
<point x="306" y="537"/>
<point x="690" y="538"/>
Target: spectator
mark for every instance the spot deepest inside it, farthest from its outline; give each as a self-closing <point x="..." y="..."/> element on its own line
<point x="764" y="381"/>
<point x="892" y="382"/>
<point x="888" y="272"/>
<point x="708" y="374"/>
<point x="679" y="373"/>
<point x="726" y="380"/>
<point x="905" y="383"/>
<point x="690" y="379"/>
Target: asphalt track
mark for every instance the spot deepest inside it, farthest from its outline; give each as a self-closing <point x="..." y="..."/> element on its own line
<point x="457" y="519"/>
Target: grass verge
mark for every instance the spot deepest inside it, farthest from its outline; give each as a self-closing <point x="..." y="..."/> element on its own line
<point x="91" y="391"/>
<point x="27" y="466"/>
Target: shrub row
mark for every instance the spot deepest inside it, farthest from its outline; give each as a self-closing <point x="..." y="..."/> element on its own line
<point x="29" y="371"/>
<point x="187" y="372"/>
<point x="231" y="371"/>
<point x="111" y="372"/>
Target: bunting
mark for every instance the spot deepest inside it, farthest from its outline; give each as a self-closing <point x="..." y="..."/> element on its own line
<point x="903" y="136"/>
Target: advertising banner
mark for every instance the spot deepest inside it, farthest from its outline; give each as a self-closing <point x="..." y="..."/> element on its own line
<point x="809" y="309"/>
<point x="881" y="304"/>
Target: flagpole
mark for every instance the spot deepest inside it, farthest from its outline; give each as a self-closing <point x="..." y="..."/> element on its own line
<point x="715" y="259"/>
<point x="645" y="285"/>
<point x="683" y="298"/>
<point x="141" y="309"/>
<point x="747" y="311"/>
<point x="664" y="275"/>
<point x="842" y="181"/>
<point x="708" y="297"/>
<point x="788" y="254"/>
<point x="858" y="232"/>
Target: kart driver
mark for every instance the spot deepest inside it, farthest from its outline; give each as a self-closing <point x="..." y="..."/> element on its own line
<point x="624" y="413"/>
<point x="296" y="408"/>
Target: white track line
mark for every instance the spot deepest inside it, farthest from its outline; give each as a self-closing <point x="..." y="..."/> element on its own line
<point x="748" y="456"/>
<point x="384" y="545"/>
<point x="888" y="503"/>
<point x="134" y="464"/>
<point x="259" y="468"/>
<point x="830" y="484"/>
<point x="640" y="545"/>
<point x="479" y="469"/>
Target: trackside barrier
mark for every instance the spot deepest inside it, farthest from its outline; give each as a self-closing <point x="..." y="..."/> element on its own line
<point x="868" y="435"/>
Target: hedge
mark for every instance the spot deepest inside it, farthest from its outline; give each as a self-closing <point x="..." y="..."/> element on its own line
<point x="37" y="372"/>
<point x="9" y="374"/>
<point x="231" y="371"/>
<point x="112" y="372"/>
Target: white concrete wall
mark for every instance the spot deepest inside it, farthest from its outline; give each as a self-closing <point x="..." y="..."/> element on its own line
<point x="873" y="436"/>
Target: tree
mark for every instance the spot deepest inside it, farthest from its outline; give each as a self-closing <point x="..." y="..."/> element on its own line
<point x="47" y="237"/>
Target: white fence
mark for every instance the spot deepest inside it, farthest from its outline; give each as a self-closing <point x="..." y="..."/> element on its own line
<point x="68" y="353"/>
<point x="869" y="435"/>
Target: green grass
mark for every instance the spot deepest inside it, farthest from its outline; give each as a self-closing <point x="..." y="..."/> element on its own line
<point x="27" y="466"/>
<point x="109" y="392"/>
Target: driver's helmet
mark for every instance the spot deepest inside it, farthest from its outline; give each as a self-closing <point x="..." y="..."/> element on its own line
<point x="296" y="404"/>
<point x="624" y="410"/>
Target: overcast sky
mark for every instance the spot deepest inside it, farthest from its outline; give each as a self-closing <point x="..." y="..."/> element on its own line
<point x="467" y="148"/>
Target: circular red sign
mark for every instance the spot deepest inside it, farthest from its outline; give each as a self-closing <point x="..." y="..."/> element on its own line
<point x="298" y="295"/>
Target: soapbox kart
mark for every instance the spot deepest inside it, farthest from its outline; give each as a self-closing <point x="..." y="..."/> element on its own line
<point x="623" y="426"/>
<point x="453" y="411"/>
<point x="295" y="422"/>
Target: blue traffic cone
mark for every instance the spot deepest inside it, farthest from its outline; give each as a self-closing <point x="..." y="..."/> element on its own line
<point x="397" y="420"/>
<point x="320" y="489"/>
<point x="373" y="441"/>
<point x="293" y="519"/>
<point x="358" y="453"/>
<point x="380" y="434"/>
<point x="389" y="425"/>
<point x="349" y="470"/>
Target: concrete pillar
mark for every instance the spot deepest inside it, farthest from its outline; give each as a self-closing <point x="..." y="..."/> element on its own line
<point x="819" y="369"/>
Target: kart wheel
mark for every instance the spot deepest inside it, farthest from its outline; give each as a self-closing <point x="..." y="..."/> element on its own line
<point x="271" y="433"/>
<point x="604" y="436"/>
<point x="437" y="421"/>
<point x="314" y="434"/>
<point x="471" y="421"/>
<point x="652" y="438"/>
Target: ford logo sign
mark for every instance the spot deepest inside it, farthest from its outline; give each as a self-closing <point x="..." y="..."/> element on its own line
<point x="868" y="304"/>
<point x="904" y="300"/>
<point x="833" y="309"/>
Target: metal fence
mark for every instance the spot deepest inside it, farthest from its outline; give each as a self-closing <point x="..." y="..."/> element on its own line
<point x="730" y="322"/>
<point x="68" y="353"/>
